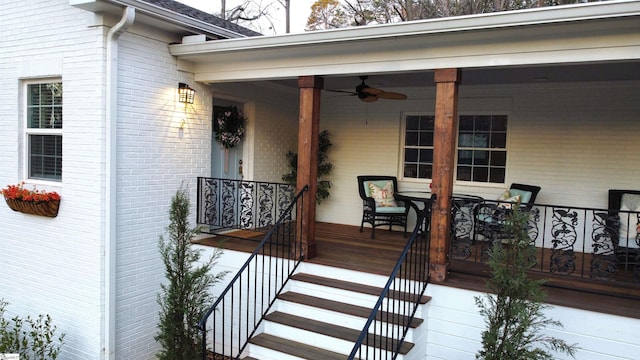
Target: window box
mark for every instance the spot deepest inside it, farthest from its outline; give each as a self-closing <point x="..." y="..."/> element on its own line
<point x="46" y="208"/>
<point x="34" y="202"/>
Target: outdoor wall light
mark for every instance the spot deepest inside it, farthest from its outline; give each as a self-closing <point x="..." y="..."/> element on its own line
<point x="185" y="93"/>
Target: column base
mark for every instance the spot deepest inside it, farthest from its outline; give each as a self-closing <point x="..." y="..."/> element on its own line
<point x="439" y="272"/>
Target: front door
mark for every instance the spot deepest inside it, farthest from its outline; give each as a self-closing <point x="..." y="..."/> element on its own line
<point x="225" y="163"/>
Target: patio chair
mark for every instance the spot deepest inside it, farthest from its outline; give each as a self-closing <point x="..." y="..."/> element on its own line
<point x="624" y="226"/>
<point x="380" y="205"/>
<point x="490" y="217"/>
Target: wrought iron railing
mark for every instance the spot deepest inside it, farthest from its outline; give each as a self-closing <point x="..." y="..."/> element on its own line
<point x="237" y="204"/>
<point x="233" y="319"/>
<point x="390" y="320"/>
<point x="572" y="242"/>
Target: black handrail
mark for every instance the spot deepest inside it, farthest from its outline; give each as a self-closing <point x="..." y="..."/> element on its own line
<point x="238" y="311"/>
<point x="388" y="324"/>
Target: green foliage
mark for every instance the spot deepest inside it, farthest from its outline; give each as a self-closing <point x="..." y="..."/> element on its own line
<point x="365" y="12"/>
<point x="185" y="297"/>
<point x="326" y="14"/>
<point x="324" y="167"/>
<point x="514" y="313"/>
<point x="31" y="338"/>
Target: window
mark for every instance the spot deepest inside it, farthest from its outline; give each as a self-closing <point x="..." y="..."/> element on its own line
<point x="481" y="151"/>
<point x="418" y="146"/>
<point x="44" y="131"/>
<point x="482" y="148"/>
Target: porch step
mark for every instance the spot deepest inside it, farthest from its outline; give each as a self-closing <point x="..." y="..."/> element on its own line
<point x="296" y="349"/>
<point x="330" y="330"/>
<point x="340" y="307"/>
<point x="351" y="286"/>
<point x="319" y="317"/>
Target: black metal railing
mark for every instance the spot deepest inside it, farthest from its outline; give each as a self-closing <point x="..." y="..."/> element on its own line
<point x="385" y="330"/>
<point x="237" y="204"/>
<point x="572" y="242"/>
<point x="233" y="319"/>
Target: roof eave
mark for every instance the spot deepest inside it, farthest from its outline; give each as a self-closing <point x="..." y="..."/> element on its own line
<point x="180" y="20"/>
<point x="497" y="20"/>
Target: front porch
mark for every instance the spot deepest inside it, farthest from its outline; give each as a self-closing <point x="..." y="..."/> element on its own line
<point x="345" y="247"/>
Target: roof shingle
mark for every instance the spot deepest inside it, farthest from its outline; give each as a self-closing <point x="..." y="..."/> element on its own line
<point x="201" y="15"/>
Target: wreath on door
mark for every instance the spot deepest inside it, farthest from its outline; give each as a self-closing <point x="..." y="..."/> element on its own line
<point x="229" y="127"/>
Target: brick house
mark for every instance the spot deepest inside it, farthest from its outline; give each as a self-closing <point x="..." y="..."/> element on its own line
<point x="566" y="78"/>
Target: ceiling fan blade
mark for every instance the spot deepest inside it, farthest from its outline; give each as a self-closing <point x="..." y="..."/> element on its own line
<point x="391" y="96"/>
<point x="371" y="91"/>
<point x="343" y="91"/>
<point x="367" y="98"/>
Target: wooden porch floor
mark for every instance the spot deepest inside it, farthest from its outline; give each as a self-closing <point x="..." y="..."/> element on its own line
<point x="344" y="246"/>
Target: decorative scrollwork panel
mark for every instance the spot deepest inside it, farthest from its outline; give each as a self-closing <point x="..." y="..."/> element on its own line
<point x="564" y="237"/>
<point x="462" y="228"/>
<point x="229" y="198"/>
<point x="247" y="204"/>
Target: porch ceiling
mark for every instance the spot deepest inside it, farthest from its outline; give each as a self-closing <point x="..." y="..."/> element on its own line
<point x="595" y="41"/>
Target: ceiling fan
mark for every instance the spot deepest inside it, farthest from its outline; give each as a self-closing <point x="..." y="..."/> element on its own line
<point x="371" y="94"/>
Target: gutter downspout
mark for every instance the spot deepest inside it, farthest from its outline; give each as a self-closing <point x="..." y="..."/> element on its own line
<point x="111" y="112"/>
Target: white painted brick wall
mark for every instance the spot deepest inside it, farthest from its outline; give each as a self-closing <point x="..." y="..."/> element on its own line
<point x="154" y="158"/>
<point x="276" y="130"/>
<point x="54" y="266"/>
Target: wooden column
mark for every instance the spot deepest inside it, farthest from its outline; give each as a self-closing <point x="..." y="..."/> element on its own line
<point x="308" y="133"/>
<point x="444" y="147"/>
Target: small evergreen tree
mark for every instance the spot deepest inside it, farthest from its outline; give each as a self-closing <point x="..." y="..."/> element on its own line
<point x="514" y="313"/>
<point x="185" y="297"/>
<point x="324" y="167"/>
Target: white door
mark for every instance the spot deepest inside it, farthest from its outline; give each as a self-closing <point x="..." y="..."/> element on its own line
<point x="225" y="163"/>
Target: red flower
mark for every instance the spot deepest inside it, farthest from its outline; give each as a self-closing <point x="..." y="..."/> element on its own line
<point x="18" y="192"/>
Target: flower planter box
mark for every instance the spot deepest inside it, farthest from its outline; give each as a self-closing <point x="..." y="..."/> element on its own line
<point x="43" y="208"/>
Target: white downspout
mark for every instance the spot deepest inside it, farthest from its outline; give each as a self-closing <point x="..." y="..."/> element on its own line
<point x="111" y="112"/>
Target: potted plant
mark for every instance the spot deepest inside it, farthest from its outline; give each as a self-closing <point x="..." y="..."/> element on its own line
<point x="324" y="167"/>
<point x="35" y="202"/>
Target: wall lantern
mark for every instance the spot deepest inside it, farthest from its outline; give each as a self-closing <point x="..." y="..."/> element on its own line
<point x="185" y="93"/>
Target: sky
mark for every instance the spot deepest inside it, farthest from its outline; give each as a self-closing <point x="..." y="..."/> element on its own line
<point x="300" y="11"/>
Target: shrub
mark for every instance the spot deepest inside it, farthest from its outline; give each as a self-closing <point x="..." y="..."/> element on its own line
<point x="31" y="338"/>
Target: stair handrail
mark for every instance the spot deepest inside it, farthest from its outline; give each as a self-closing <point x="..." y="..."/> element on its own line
<point x="282" y="228"/>
<point x="394" y="298"/>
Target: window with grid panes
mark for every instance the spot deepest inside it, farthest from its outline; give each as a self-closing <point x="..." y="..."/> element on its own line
<point x="418" y="146"/>
<point x="44" y="130"/>
<point x="481" y="150"/>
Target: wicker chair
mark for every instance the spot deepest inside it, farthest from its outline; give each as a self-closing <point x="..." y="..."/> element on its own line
<point x="380" y="206"/>
<point x="490" y="218"/>
<point x="624" y="217"/>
